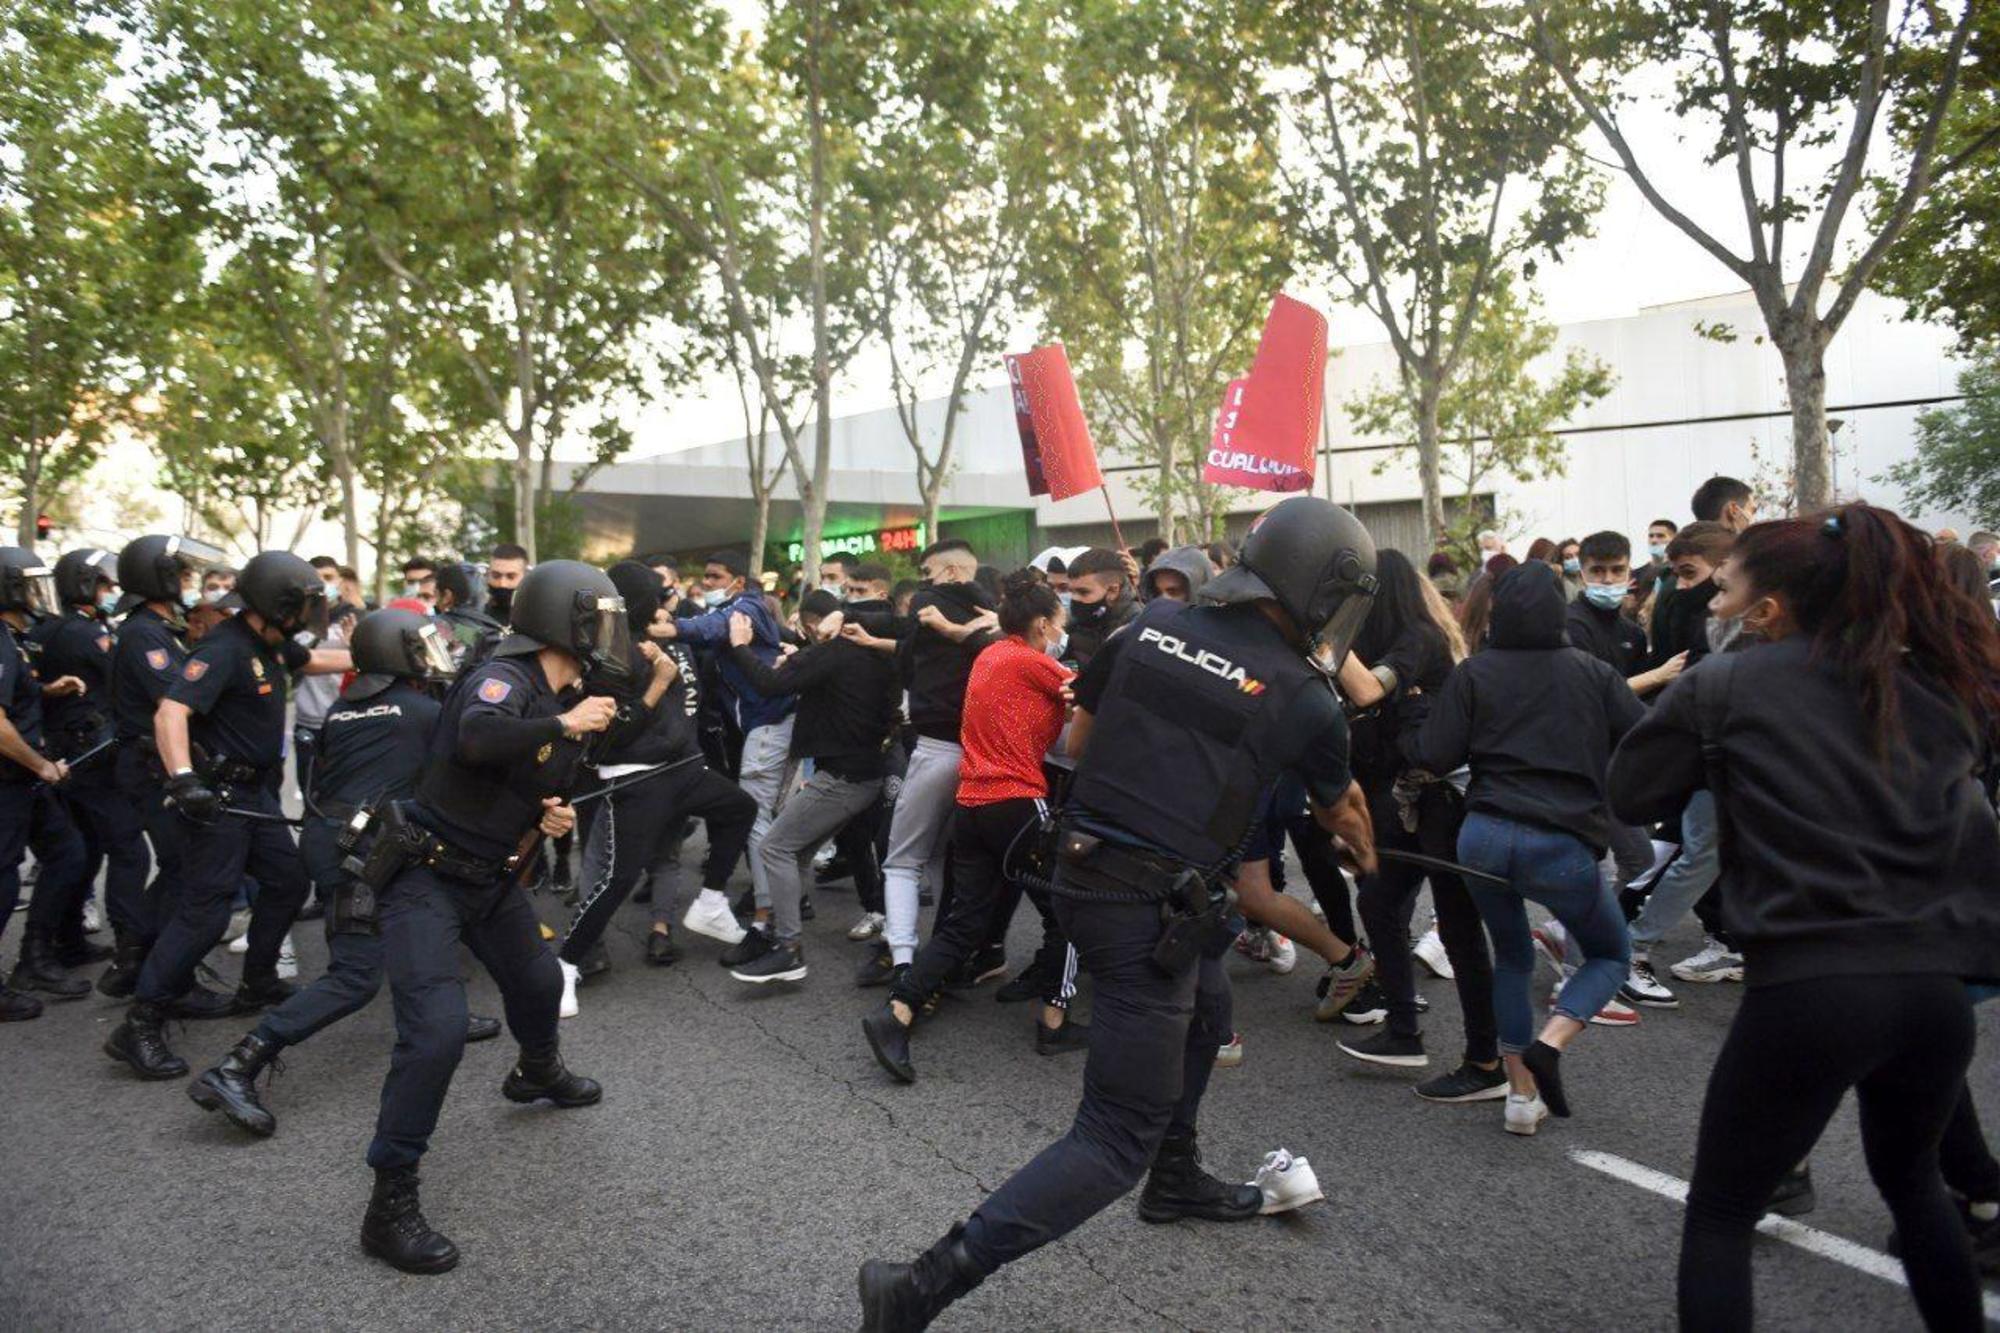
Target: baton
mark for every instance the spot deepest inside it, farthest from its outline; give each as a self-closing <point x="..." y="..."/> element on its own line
<point x="92" y="753"/>
<point x="262" y="818"/>
<point x="633" y="779"/>
<point x="1439" y="863"/>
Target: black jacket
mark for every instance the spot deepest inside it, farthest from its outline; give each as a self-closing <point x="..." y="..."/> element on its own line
<point x="847" y="703"/>
<point x="934" y="669"/>
<point x="1537" y="718"/>
<point x="664" y="732"/>
<point x="1833" y="863"/>
<point x="1606" y="635"/>
<point x="1680" y="624"/>
<point x="1086" y="637"/>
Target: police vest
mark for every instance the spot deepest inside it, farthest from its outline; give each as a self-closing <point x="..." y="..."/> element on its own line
<point x="488" y="808"/>
<point x="1189" y="734"/>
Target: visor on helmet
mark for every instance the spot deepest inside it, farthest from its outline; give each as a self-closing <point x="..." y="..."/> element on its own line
<point x="38" y="585"/>
<point x="603" y="637"/>
<point x="1332" y="642"/>
<point x="433" y="653"/>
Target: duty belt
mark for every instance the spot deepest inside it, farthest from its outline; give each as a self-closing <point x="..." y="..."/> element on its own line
<point x="428" y="849"/>
<point x="1097" y="868"/>
<point x="236" y="771"/>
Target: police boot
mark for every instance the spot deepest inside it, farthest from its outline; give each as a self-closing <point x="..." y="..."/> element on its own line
<point x="140" y="1043"/>
<point x="231" y="1087"/>
<point x="81" y="952"/>
<point x="122" y="977"/>
<point x="395" y="1231"/>
<point x="260" y="992"/>
<point x="18" y="1008"/>
<point x="39" y="970"/>
<point x="1177" y="1187"/>
<point x="540" y="1074"/>
<point x="904" y="1298"/>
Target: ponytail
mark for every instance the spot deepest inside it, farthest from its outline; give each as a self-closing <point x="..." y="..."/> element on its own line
<point x="1025" y="597"/>
<point x="1867" y="589"/>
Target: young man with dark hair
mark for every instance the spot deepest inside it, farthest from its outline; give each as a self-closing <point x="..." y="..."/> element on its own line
<point x="505" y="568"/>
<point x="835" y="570"/>
<point x="1658" y="533"/>
<point x="1725" y="500"/>
<point x="1100" y="601"/>
<point x="420" y="578"/>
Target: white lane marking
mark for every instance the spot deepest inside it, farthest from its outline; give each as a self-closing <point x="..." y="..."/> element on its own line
<point x="1810" y="1239"/>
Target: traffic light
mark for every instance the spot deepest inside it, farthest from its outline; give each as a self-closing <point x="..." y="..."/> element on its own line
<point x="43" y="526"/>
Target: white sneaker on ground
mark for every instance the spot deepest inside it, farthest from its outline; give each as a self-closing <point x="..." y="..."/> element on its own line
<point x="709" y="915"/>
<point x="571" y="975"/>
<point x="93" y="920"/>
<point x="1255" y="944"/>
<point x="1287" y="1183"/>
<point x="1525" y="1115"/>
<point x="1284" y="955"/>
<point x="239" y="925"/>
<point x="1716" y="962"/>
<point x="1642" y="987"/>
<point x="1614" y="1014"/>
<point x="288" y="958"/>
<point x="240" y="945"/>
<point x="868" y="927"/>
<point x="1430" y="952"/>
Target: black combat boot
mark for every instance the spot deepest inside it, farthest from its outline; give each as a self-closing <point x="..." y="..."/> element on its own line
<point x="231" y="1087"/>
<point x="395" y="1231"/>
<point x="1177" y="1187"/>
<point x="255" y="993"/>
<point x="81" y="952"/>
<point x="18" y="1008"/>
<point x="122" y="977"/>
<point x="478" y="1027"/>
<point x="139" y="1042"/>
<point x="199" y="1002"/>
<point x="540" y="1074"/>
<point x="38" y="970"/>
<point x="904" y="1298"/>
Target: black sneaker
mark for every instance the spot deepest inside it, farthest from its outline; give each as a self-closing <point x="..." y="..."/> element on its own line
<point x="1467" y="1083"/>
<point x="754" y="945"/>
<point x="877" y="968"/>
<point x="781" y="962"/>
<point x="1387" y="1048"/>
<point x="596" y="959"/>
<point x="1794" y="1196"/>
<point x="745" y="906"/>
<point x="806" y="909"/>
<point x="1369" y="1005"/>
<point x="986" y="965"/>
<point x="1071" y="1036"/>
<point x="661" y="951"/>
<point x="1025" y="985"/>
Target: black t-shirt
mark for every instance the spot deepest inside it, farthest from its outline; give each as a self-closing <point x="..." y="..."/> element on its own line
<point x="145" y="660"/>
<point x="21" y="698"/>
<point x="78" y="644"/>
<point x="1421" y="662"/>
<point x="235" y="683"/>
<point x="374" y="748"/>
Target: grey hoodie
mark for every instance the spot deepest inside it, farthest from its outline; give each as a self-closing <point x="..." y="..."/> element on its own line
<point x="1190" y="562"/>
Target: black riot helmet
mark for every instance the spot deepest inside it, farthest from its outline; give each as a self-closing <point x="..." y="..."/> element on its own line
<point x="569" y="605"/>
<point x="150" y="569"/>
<point x="284" y="590"/>
<point x="79" y="572"/>
<point x="393" y="644"/>
<point x="1315" y="560"/>
<point x="26" y="584"/>
<point x="462" y="581"/>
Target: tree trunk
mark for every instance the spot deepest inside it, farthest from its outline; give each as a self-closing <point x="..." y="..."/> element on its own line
<point x="760" y="534"/>
<point x="350" y="509"/>
<point x="524" y="495"/>
<point x="931" y="507"/>
<point x="1812" y="445"/>
<point x="31" y="499"/>
<point x="812" y="499"/>
<point x="1428" y="455"/>
<point x="1166" y="451"/>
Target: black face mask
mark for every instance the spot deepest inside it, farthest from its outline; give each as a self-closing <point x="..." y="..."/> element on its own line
<point x="499" y="601"/>
<point x="1089" y="613"/>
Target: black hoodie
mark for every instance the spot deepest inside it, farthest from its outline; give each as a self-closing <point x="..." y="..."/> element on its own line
<point x="1537" y="718"/>
<point x="934" y="669"/>
<point x="666" y="731"/>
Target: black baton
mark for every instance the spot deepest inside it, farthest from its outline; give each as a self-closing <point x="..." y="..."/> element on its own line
<point x="1439" y="863"/>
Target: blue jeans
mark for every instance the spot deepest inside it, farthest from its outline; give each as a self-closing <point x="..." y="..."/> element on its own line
<point x="1691" y="873"/>
<point x="1558" y="871"/>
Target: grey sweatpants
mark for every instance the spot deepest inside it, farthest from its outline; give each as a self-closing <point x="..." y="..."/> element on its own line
<point x="766" y="772"/>
<point x="919" y="838"/>
<point x="811" y="815"/>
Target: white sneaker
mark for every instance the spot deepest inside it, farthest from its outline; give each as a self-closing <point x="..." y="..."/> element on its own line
<point x="93" y="920"/>
<point x="1552" y="943"/>
<point x="1284" y="955"/>
<point x="239" y="925"/>
<point x="709" y="915"/>
<point x="288" y="959"/>
<point x="868" y="927"/>
<point x="1287" y="1182"/>
<point x="1614" y="1014"/>
<point x="1430" y="952"/>
<point x="1715" y="962"/>
<point x="241" y="944"/>
<point x="571" y="975"/>
<point x="1255" y="944"/>
<point x="1525" y="1114"/>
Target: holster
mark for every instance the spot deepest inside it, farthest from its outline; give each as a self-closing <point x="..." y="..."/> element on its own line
<point x="353" y="910"/>
<point x="375" y="845"/>
<point x="1192" y="906"/>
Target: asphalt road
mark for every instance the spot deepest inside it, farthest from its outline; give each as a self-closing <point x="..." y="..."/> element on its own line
<point x="749" y="1154"/>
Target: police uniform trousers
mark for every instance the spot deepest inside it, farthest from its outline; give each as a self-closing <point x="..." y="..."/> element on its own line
<point x="425" y="916"/>
<point x="353" y="973"/>
<point x="113" y="838"/>
<point x="1153" y="1040"/>
<point x="135" y="774"/>
<point x="216" y="858"/>
<point x="32" y="819"/>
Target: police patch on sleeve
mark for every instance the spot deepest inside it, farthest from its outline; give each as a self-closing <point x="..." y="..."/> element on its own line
<point x="157" y="659"/>
<point x="195" y="669"/>
<point x="494" y="690"/>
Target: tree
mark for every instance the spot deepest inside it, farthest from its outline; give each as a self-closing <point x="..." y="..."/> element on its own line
<point x="95" y="245"/>
<point x="1944" y="265"/>
<point x="1957" y="461"/>
<point x="1494" y="417"/>
<point x="1159" y="254"/>
<point x="1432" y="165"/>
<point x="1777" y="78"/>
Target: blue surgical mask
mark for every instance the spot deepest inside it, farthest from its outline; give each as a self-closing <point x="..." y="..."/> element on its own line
<point x="1057" y="646"/>
<point x="714" y="597"/>
<point x="107" y="602"/>
<point x="1658" y="550"/>
<point x="190" y="598"/>
<point x="1063" y="597"/>
<point x="1605" y="596"/>
<point x="1572" y="566"/>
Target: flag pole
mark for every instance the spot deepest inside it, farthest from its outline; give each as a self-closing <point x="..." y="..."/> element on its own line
<point x="1112" y="514"/>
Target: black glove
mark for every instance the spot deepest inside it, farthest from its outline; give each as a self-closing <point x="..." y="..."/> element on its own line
<point x="195" y="799"/>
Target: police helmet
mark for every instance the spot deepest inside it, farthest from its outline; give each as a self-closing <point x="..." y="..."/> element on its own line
<point x="391" y="645"/>
<point x="569" y="605"/>
<point x="1315" y="560"/>
<point x="26" y="584"/>
<point x="79" y="572"/>
<point x="284" y="590"/>
<point x="150" y="568"/>
<point x="462" y="581"/>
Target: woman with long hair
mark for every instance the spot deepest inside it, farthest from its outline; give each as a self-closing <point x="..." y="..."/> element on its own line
<point x="1845" y="751"/>
<point x="1406" y="649"/>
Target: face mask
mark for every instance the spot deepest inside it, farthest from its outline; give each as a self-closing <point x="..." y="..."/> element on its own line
<point x="836" y="587"/>
<point x="332" y="587"/>
<point x="1658" y="550"/>
<point x="1057" y="646"/>
<point x="499" y="601"/>
<point x="190" y="598"/>
<point x="714" y="597"/>
<point x="1089" y="613"/>
<point x="1063" y="597"/>
<point x="1604" y="596"/>
<point x="107" y="602"/>
<point x="1572" y="566"/>
<point x="214" y="595"/>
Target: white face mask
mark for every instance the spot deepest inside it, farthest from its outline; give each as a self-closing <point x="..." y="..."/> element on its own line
<point x="214" y="595"/>
<point x="713" y="597"/>
<point x="1057" y="646"/>
<point x="190" y="597"/>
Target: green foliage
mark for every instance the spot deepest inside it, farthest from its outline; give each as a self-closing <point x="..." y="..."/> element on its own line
<point x="1956" y="466"/>
<point x="1945" y="266"/>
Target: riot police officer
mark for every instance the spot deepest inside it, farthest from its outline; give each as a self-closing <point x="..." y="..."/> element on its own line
<point x="79" y="643"/>
<point x="503" y="755"/>
<point x="31" y="817"/>
<point x="1184" y="721"/>
<point x="460" y="611"/>
<point x="371" y="750"/>
<point x="225" y="712"/>
<point x="157" y="574"/>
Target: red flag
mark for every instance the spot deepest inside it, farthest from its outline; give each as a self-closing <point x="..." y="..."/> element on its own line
<point x="1056" y="447"/>
<point x="1266" y="434"/>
